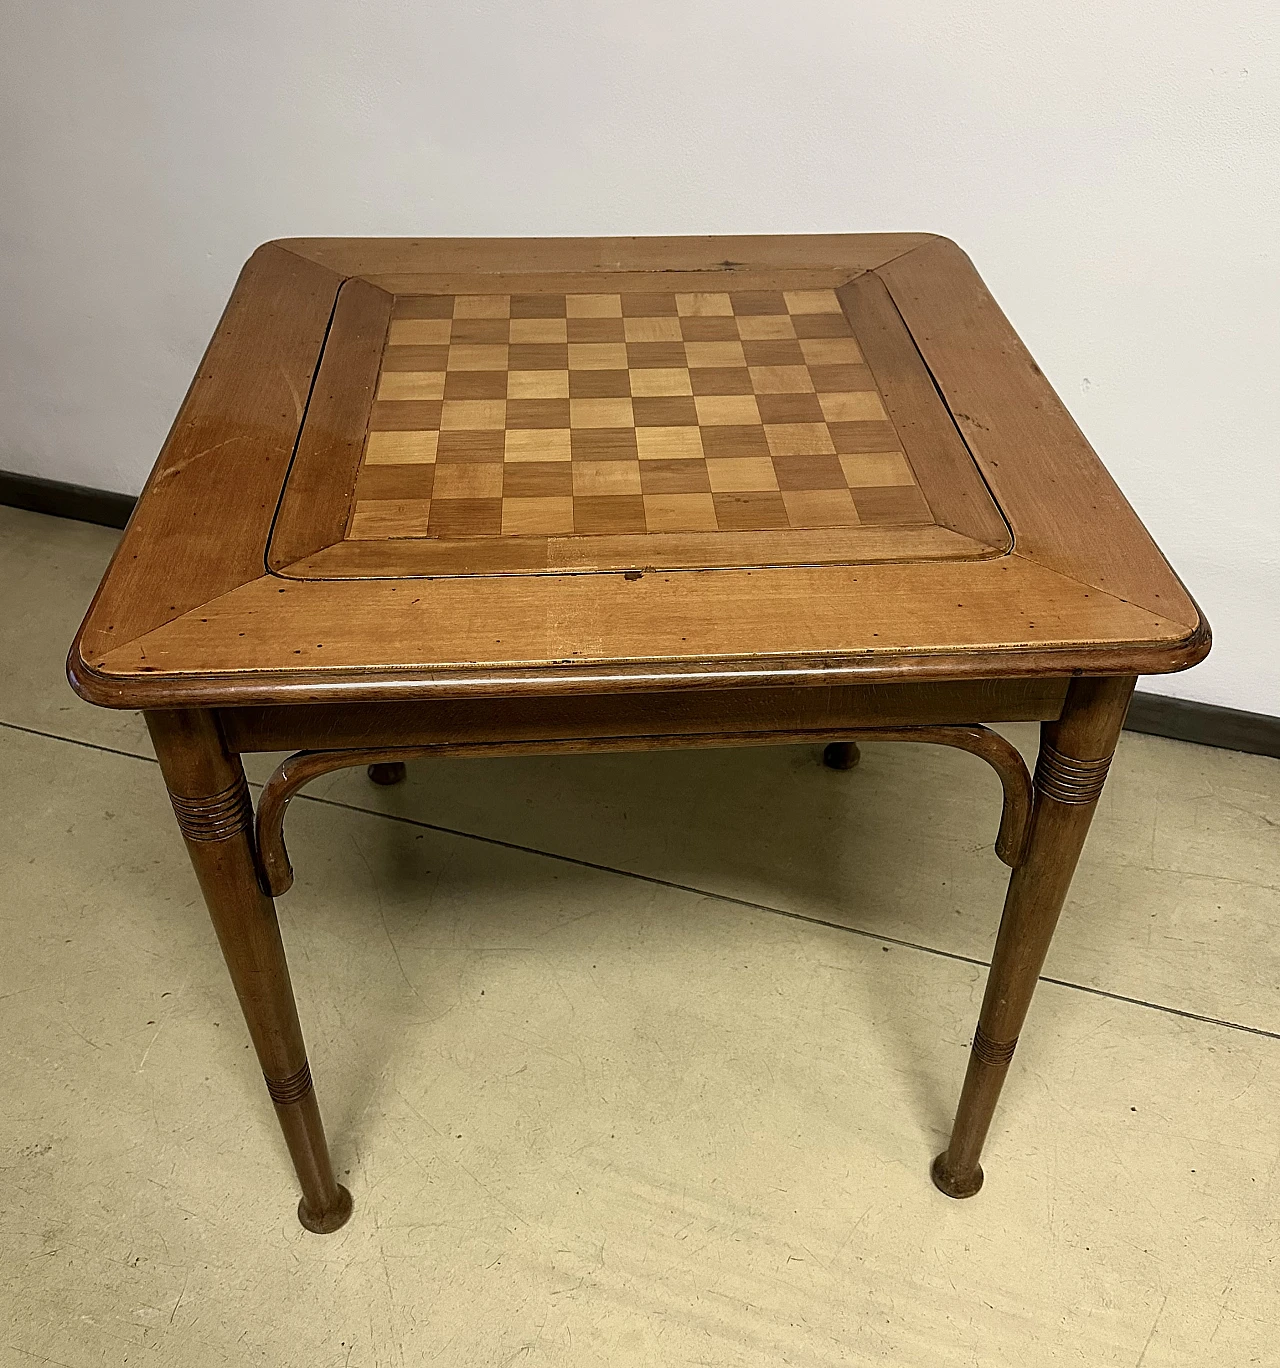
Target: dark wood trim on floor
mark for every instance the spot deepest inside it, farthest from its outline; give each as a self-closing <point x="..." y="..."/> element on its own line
<point x="62" y="500"/>
<point x="1206" y="724"/>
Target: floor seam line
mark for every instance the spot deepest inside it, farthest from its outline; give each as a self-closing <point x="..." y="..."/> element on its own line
<point x="796" y="916"/>
<point x="75" y="741"/>
<point x="688" y="888"/>
<point x="650" y="879"/>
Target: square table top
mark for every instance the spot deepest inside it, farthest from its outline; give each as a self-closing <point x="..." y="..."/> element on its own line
<point x="433" y="467"/>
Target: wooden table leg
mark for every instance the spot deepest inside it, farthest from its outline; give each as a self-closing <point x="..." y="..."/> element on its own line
<point x="211" y="799"/>
<point x="389" y="773"/>
<point x="1075" y="752"/>
<point x="841" y="755"/>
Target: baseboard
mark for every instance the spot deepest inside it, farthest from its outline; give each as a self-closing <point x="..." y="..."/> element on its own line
<point x="1204" y="723"/>
<point x="65" y="500"/>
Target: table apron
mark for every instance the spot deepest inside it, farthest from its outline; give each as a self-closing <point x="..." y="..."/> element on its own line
<point x="593" y="718"/>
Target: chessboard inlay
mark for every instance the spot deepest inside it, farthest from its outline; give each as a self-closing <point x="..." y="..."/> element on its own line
<point x="519" y="416"/>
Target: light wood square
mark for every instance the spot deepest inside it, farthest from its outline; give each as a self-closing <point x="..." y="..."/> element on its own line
<point x="862" y="406"/>
<point x="798" y="439"/>
<point x="741" y="473"/>
<point x="538" y="330"/>
<point x="548" y="384"/>
<point x="679" y="513"/>
<point x="651" y="329"/>
<point x="660" y="382"/>
<point x="411" y="385"/>
<point x="377" y="519"/>
<point x="473" y="414"/>
<point x="593" y="306"/>
<point x="704" y="306"/>
<point x="875" y="469"/>
<point x="820" y="508"/>
<point x="830" y="351"/>
<point x="781" y="380"/>
<point x="812" y="301"/>
<point x="669" y="443"/>
<point x="714" y="354"/>
<point x="597" y="356"/>
<point x="528" y="517"/>
<point x="606" y="477"/>
<point x="482" y="306"/>
<point x="538" y="444"/>
<point x="721" y="410"/>
<point x="477" y="358"/>
<point x="401" y="448"/>
<point x="765" y="328"/>
<point x="468" y="480"/>
<point x="419" y="332"/>
<point x="600" y="413"/>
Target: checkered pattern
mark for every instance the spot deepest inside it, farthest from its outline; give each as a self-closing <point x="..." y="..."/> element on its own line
<point x="590" y="414"/>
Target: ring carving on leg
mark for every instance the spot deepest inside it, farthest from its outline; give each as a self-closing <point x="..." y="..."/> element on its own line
<point x="286" y="1091"/>
<point x="1068" y="780"/>
<point x="996" y="1053"/>
<point x="217" y="817"/>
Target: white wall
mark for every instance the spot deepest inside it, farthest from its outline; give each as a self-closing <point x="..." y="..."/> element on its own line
<point x="1111" y="166"/>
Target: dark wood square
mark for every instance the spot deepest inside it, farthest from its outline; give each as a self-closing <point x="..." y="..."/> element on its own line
<point x="465" y="518"/>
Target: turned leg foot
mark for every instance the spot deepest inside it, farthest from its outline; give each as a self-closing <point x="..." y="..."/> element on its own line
<point x="955" y="1185"/>
<point x="211" y="801"/>
<point x="841" y="755"/>
<point x="326" y="1222"/>
<point x="1075" y="752"/>
<point x="391" y="772"/>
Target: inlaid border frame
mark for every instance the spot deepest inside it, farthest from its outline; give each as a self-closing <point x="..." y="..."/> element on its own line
<point x="309" y="537"/>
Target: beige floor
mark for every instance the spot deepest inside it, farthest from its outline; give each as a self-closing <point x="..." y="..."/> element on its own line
<point x="610" y="1078"/>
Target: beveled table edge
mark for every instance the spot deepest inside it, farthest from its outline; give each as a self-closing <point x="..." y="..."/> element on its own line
<point x="315" y="686"/>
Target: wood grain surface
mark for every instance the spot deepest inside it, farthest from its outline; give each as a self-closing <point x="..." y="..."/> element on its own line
<point x="332" y="438"/>
<point x="202" y="520"/>
<point x="829" y="612"/>
<point x="593" y="716"/>
<point x="1067" y="511"/>
<point x="841" y="252"/>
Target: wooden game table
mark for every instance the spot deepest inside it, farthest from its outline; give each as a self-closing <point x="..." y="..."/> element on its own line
<point x="476" y="497"/>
